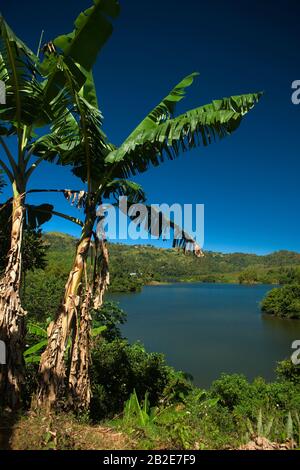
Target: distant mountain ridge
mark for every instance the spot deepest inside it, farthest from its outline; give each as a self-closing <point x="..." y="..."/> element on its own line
<point x="60" y="239"/>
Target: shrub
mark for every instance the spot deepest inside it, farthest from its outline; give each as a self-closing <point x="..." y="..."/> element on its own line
<point x="111" y="316"/>
<point x="230" y="389"/>
<point x="286" y="370"/>
<point x="119" y="368"/>
<point x="283" y="301"/>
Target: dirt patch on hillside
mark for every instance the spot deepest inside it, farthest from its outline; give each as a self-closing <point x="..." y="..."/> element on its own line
<point x="37" y="432"/>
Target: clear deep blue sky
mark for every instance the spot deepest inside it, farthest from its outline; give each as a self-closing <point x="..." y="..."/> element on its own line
<point x="249" y="182"/>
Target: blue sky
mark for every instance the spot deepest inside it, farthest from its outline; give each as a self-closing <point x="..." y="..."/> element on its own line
<point x="249" y="182"/>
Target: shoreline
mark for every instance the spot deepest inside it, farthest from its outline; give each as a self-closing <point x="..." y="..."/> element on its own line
<point x="197" y="281"/>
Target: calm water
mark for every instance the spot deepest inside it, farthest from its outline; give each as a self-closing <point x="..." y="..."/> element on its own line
<point x="207" y="329"/>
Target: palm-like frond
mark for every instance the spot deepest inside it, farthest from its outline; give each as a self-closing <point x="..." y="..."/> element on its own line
<point x="76" y="136"/>
<point x="159" y="136"/>
<point x="18" y="71"/>
<point x="114" y="189"/>
<point x="157" y="224"/>
<point x="166" y="108"/>
<point x="92" y="30"/>
<point x="80" y="49"/>
<point x="121" y="187"/>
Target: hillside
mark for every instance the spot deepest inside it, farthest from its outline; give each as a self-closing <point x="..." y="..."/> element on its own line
<point x="133" y="265"/>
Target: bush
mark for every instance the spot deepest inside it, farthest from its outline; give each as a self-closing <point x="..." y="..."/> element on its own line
<point x="119" y="368"/>
<point x="111" y="316"/>
<point x="283" y="302"/>
<point x="230" y="389"/>
<point x="286" y="370"/>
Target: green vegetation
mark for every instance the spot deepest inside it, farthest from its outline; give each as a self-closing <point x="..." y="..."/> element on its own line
<point x="136" y="394"/>
<point x="283" y="302"/>
<point x="132" y="266"/>
<point x="225" y="416"/>
<point x="170" y="265"/>
<point x="70" y="343"/>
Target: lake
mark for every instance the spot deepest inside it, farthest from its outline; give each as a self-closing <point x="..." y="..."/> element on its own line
<point x="207" y="329"/>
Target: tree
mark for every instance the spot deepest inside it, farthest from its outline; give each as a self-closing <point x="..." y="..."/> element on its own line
<point x="68" y="100"/>
<point x="85" y="287"/>
<point x="33" y="249"/>
<point x="249" y="276"/>
<point x="4" y="238"/>
<point x="23" y="106"/>
<point x="31" y="95"/>
<point x="78" y="139"/>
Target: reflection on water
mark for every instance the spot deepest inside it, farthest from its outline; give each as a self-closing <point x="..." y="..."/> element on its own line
<point x="207" y="329"/>
<point x="279" y="325"/>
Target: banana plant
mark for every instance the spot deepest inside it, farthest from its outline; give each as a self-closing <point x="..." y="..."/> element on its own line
<point x="32" y="89"/>
<point x="77" y="139"/>
<point x="24" y="99"/>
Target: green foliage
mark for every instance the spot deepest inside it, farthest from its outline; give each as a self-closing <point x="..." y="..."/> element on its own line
<point x="24" y="98"/>
<point x="174" y="424"/>
<point x="249" y="276"/>
<point x="111" y="316"/>
<point x="257" y="408"/>
<point x="43" y="292"/>
<point x="34" y="248"/>
<point x="36" y="330"/>
<point x="283" y="302"/>
<point x="262" y="428"/>
<point x="159" y="136"/>
<point x="290" y="275"/>
<point x="118" y="369"/>
<point x="246" y="399"/>
<point x="133" y="411"/>
<point x="92" y="30"/>
<point x="170" y="265"/>
<point x="286" y="370"/>
<point x="230" y="389"/>
<point x="132" y="267"/>
<point x="31" y="354"/>
<point x="125" y="282"/>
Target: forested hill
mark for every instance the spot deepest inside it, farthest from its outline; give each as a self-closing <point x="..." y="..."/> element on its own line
<point x="135" y="265"/>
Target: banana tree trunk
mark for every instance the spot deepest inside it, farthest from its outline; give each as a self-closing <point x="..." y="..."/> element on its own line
<point x="12" y="315"/>
<point x="79" y="376"/>
<point x="101" y="281"/>
<point x="53" y="362"/>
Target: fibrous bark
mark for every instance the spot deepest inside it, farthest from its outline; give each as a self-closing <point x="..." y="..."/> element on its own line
<point x="53" y="361"/>
<point x="12" y="315"/>
<point x="79" y="376"/>
<point x="52" y="365"/>
<point x="101" y="279"/>
<point x="73" y="319"/>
